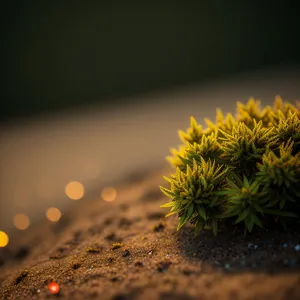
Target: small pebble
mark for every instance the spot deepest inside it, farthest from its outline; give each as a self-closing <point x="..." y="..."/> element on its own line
<point x="297" y="247"/>
<point x="227" y="266"/>
<point x="139" y="264"/>
<point x="126" y="253"/>
<point x="38" y="291"/>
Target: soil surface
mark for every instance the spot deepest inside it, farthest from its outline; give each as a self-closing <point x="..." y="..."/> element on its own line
<point x="126" y="249"/>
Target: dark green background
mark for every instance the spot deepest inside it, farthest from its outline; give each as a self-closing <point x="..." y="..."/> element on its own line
<point x="64" y="53"/>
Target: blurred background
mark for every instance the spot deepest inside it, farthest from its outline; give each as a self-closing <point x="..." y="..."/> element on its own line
<point x="92" y="92"/>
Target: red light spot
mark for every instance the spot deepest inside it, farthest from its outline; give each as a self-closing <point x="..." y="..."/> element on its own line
<point x="53" y="287"/>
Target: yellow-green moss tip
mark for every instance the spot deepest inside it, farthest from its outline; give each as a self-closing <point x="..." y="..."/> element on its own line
<point x="116" y="246"/>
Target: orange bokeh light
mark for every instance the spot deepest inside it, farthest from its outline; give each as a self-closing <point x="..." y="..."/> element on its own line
<point x="53" y="214"/>
<point x="74" y="190"/>
<point x="109" y="194"/>
<point x="21" y="221"/>
<point x="53" y="288"/>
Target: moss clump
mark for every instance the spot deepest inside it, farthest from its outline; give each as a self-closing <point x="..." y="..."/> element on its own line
<point x="94" y="249"/>
<point x="238" y="169"/>
<point x="116" y="246"/>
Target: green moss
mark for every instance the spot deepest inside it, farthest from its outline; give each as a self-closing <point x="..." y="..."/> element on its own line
<point x="116" y="246"/>
<point x="239" y="168"/>
<point x="93" y="249"/>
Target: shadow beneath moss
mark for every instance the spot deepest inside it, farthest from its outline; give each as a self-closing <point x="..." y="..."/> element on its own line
<point x="271" y="251"/>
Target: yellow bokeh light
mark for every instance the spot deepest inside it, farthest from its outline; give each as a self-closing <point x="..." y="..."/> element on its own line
<point x="21" y="221"/>
<point x="109" y="194"/>
<point x="53" y="214"/>
<point x="3" y="239"/>
<point x="74" y="190"/>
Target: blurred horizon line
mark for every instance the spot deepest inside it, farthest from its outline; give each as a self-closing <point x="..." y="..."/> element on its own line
<point x="11" y="116"/>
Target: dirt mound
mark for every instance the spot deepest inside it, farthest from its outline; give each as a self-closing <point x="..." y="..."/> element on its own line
<point x="126" y="249"/>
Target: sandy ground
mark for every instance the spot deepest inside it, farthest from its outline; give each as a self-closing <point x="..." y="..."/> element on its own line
<point x="154" y="261"/>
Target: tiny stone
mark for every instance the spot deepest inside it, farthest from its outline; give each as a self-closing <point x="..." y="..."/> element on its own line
<point x="126" y="253"/>
<point x="139" y="264"/>
<point x="227" y="266"/>
<point x="38" y="291"/>
<point x="114" y="279"/>
<point x="163" y="266"/>
<point x="76" y="266"/>
<point x="150" y="253"/>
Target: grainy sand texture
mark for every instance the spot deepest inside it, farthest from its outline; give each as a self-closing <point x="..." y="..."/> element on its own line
<point x="126" y="249"/>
